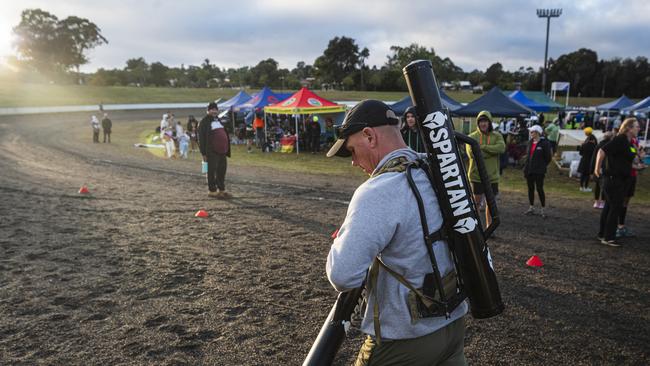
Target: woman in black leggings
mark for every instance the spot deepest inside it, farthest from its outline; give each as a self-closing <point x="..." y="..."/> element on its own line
<point x="586" y="154"/>
<point x="538" y="154"/>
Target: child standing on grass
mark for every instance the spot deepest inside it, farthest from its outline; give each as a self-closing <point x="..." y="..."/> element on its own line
<point x="168" y="141"/>
<point x="183" y="145"/>
<point x="94" y="123"/>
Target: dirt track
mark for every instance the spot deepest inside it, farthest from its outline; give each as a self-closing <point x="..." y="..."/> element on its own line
<point x="129" y="276"/>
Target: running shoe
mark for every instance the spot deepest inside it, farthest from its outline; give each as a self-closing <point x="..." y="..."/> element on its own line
<point x="530" y="211"/>
<point x="611" y="243"/>
<point x="596" y="204"/>
<point x="624" y="233"/>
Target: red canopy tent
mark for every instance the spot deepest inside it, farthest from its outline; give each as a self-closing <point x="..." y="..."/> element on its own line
<point x="304" y="101"/>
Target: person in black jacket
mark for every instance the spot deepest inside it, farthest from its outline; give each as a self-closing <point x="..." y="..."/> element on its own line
<point x="214" y="144"/>
<point x="586" y="155"/>
<point x="107" y="126"/>
<point x="314" y="135"/>
<point x="618" y="156"/>
<point x="539" y="155"/>
<point x="599" y="198"/>
<point x="410" y="132"/>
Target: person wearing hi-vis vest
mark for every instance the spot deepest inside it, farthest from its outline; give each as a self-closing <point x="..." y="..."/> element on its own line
<point x="214" y="144"/>
<point x="492" y="146"/>
<point x="383" y="228"/>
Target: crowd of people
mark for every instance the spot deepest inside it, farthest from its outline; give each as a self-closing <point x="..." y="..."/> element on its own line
<point x="178" y="140"/>
<point x="267" y="132"/>
<point x="533" y="144"/>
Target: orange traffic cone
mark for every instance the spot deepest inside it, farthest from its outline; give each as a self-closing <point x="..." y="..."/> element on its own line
<point x="84" y="190"/>
<point x="335" y="234"/>
<point x="201" y="213"/>
<point x="534" y="261"/>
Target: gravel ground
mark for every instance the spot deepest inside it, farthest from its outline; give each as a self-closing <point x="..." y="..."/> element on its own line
<point x="127" y="275"/>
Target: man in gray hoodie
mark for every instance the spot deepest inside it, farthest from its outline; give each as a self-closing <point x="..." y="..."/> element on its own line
<point x="383" y="222"/>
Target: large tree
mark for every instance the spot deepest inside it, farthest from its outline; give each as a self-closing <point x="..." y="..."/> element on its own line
<point x="339" y="60"/>
<point x="444" y="69"/>
<point x="49" y="44"/>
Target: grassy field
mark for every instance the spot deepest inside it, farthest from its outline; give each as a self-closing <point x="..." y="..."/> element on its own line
<point x="557" y="184"/>
<point x="18" y="94"/>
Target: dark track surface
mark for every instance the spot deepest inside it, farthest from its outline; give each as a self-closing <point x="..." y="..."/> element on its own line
<point x="129" y="276"/>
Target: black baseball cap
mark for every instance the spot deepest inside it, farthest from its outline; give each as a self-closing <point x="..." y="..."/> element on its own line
<point x="368" y="113"/>
<point x="213" y="105"/>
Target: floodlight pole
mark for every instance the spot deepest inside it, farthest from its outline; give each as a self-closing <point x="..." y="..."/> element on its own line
<point x="548" y="14"/>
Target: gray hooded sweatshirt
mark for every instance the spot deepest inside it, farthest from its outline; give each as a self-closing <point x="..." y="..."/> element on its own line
<point x="383" y="220"/>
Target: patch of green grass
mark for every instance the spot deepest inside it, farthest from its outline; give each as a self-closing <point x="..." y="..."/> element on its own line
<point x="557" y="183"/>
<point x="305" y="162"/>
<point x="19" y="94"/>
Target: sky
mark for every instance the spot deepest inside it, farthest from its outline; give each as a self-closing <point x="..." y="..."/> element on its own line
<point x="474" y="34"/>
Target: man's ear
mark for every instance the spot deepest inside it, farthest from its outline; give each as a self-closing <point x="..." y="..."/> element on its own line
<point x="370" y="135"/>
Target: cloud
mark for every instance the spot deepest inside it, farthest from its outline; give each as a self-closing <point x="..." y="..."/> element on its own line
<point x="474" y="34"/>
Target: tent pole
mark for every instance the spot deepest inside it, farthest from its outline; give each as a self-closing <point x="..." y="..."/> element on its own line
<point x="568" y="91"/>
<point x="232" y="116"/>
<point x="645" y="137"/>
<point x="297" y="137"/>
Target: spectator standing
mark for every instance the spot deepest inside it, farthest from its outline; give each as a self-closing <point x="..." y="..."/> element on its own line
<point x="637" y="165"/>
<point x="314" y="135"/>
<point x="599" y="199"/>
<point x="492" y="145"/>
<point x="258" y="125"/>
<point x="164" y="124"/>
<point x="168" y="141"/>
<point x="586" y="156"/>
<point x="410" y="132"/>
<point x="618" y="156"/>
<point x="553" y="135"/>
<point x="94" y="123"/>
<point x="539" y="155"/>
<point x="214" y="143"/>
<point x="183" y="144"/>
<point x="107" y="125"/>
<point x="192" y="132"/>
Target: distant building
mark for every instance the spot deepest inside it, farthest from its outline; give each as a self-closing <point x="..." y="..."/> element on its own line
<point x="464" y="85"/>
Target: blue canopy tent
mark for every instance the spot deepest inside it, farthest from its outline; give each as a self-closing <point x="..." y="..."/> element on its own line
<point x="497" y="103"/>
<point x="542" y="98"/>
<point x="261" y="99"/>
<point x="640" y="105"/>
<point x="239" y="98"/>
<point x="616" y="105"/>
<point x="449" y="102"/>
<point x="521" y="98"/>
<point x="400" y="106"/>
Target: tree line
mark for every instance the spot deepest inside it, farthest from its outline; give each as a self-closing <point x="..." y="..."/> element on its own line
<point x="58" y="47"/>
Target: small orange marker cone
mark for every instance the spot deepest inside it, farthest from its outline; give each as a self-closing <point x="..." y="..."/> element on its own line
<point x="201" y="213"/>
<point x="84" y="190"/>
<point x="534" y="261"/>
<point x="335" y="234"/>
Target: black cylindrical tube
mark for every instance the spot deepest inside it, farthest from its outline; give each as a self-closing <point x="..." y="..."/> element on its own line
<point x="332" y="333"/>
<point x="454" y="196"/>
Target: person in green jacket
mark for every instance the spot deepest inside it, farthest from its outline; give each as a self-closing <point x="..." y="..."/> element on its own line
<point x="492" y="145"/>
<point x="552" y="135"/>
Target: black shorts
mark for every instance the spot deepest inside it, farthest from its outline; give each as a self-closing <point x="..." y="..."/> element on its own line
<point x="477" y="188"/>
<point x="630" y="187"/>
